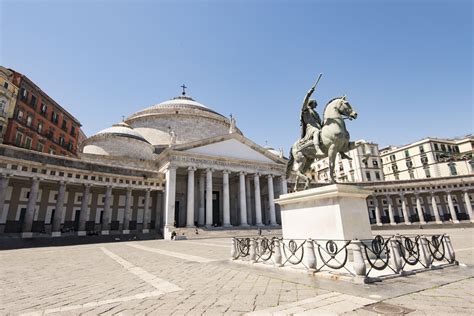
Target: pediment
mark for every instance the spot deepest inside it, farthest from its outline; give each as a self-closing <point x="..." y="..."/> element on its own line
<point x="230" y="148"/>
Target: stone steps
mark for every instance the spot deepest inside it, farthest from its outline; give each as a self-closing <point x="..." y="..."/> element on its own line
<point x="225" y="232"/>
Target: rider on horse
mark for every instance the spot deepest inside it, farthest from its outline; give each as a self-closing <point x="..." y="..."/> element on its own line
<point x="310" y="122"/>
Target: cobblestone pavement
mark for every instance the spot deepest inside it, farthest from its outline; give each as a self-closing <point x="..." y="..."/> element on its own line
<point x="195" y="277"/>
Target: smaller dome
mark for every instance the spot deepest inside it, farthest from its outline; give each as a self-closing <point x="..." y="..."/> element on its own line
<point x="274" y="151"/>
<point x="124" y="130"/>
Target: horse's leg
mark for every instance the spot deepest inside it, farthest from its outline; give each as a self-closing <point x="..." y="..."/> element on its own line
<point x="332" y="158"/>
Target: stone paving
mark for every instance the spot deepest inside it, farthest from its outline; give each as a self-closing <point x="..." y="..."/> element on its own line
<point x="196" y="277"/>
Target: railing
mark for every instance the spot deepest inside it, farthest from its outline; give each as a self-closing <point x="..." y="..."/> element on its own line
<point x="371" y="259"/>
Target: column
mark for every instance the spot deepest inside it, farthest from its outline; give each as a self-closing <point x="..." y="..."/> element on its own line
<point x="201" y="215"/>
<point x="467" y="201"/>
<point x="284" y="185"/>
<point x="84" y="215"/>
<point x="127" y="213"/>
<point x="30" y="209"/>
<point x="190" y="201"/>
<point x="59" y="210"/>
<point x="406" y="216"/>
<point x="208" y="197"/>
<point x="170" y="201"/>
<point x="226" y="198"/>
<point x="158" y="211"/>
<point x="454" y="216"/>
<point x="419" y="209"/>
<point x="258" y="202"/>
<point x="107" y="211"/>
<point x="271" y="201"/>
<point x="243" y="206"/>
<point x="434" y="206"/>
<point x="248" y="200"/>
<point x="390" y="210"/>
<point x="377" y="210"/>
<point x="3" y="193"/>
<point x="146" y="213"/>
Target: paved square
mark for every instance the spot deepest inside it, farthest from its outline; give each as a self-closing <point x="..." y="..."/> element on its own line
<point x="196" y="277"/>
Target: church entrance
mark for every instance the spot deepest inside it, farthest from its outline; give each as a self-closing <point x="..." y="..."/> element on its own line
<point x="215" y="208"/>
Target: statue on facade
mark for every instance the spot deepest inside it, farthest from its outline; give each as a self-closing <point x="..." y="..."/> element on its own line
<point x="232" y="127"/>
<point x="321" y="139"/>
<point x="172" y="137"/>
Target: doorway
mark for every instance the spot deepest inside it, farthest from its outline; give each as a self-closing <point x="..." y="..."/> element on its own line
<point x="215" y="208"/>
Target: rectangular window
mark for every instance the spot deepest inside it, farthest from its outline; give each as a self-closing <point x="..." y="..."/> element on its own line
<point x="427" y="172"/>
<point x="64" y="124"/>
<point x="18" y="139"/>
<point x="377" y="175"/>
<point x="5" y="85"/>
<point x="51" y="151"/>
<point x="422" y="150"/>
<point x="367" y="175"/>
<point x="375" y="163"/>
<point x="407" y="153"/>
<point x="412" y="174"/>
<point x="73" y="131"/>
<point x="40" y="147"/>
<point x="392" y="157"/>
<point x="54" y="117"/>
<point x="452" y="168"/>
<point x="23" y="94"/>
<point x="29" y="119"/>
<point x="28" y="142"/>
<point x="43" y="109"/>
<point x="436" y="147"/>
<point x="40" y="127"/>
<point x="33" y="100"/>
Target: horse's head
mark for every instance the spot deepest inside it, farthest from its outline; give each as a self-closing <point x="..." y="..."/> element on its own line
<point x="345" y="109"/>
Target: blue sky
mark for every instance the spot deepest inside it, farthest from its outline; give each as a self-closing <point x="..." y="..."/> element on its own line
<point x="406" y="66"/>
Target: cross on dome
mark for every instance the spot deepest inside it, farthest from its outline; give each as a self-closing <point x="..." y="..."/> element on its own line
<point x="184" y="89"/>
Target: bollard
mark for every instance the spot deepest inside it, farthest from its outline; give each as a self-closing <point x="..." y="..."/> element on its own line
<point x="358" y="263"/>
<point x="253" y="250"/>
<point x="276" y="253"/>
<point x="396" y="256"/>
<point x="309" y="257"/>
<point x="425" y="254"/>
<point x="233" y="250"/>
<point x="449" y="250"/>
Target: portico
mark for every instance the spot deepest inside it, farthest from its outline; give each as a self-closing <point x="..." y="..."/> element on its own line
<point x="227" y="191"/>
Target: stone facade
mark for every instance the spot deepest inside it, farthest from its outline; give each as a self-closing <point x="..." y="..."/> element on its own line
<point x="8" y="96"/>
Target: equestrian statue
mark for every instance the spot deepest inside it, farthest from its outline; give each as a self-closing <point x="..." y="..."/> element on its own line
<point x="321" y="139"/>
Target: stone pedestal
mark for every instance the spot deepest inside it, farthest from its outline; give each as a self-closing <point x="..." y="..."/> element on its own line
<point x="81" y="233"/>
<point x="56" y="234"/>
<point x="336" y="211"/>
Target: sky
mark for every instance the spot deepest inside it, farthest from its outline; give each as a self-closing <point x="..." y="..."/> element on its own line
<point x="405" y="66"/>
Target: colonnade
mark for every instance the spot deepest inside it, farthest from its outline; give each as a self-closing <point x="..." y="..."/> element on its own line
<point x="60" y="208"/>
<point x="205" y="189"/>
<point x="417" y="208"/>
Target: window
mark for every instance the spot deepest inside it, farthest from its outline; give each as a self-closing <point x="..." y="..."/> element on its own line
<point x="54" y="117"/>
<point x="436" y="146"/>
<point x="51" y="150"/>
<point x="18" y="138"/>
<point x="73" y="130"/>
<point x="28" y="142"/>
<point x="43" y="109"/>
<point x="407" y="153"/>
<point x="392" y="157"/>
<point x="456" y="149"/>
<point x="443" y="147"/>
<point x="394" y="167"/>
<point x="427" y="172"/>
<point x="409" y="164"/>
<point x="5" y="85"/>
<point x="64" y="124"/>
<point x="61" y="140"/>
<point x="422" y="150"/>
<point x="3" y="105"/>
<point x="375" y="163"/>
<point x="412" y="174"/>
<point x="40" y="147"/>
<point x="33" y="100"/>
<point x="377" y="175"/>
<point x="40" y="127"/>
<point x="367" y="175"/>
<point x="397" y="177"/>
<point x="23" y="94"/>
<point x="20" y="115"/>
<point x="452" y="168"/>
<point x="29" y="119"/>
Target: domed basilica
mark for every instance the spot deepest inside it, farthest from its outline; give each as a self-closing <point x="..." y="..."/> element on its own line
<point x="213" y="174"/>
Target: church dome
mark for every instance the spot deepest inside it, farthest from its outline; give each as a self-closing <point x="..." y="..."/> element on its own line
<point x="124" y="130"/>
<point x="119" y="140"/>
<point x="189" y="119"/>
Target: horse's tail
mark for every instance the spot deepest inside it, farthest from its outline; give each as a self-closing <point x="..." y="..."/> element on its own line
<point x="289" y="164"/>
